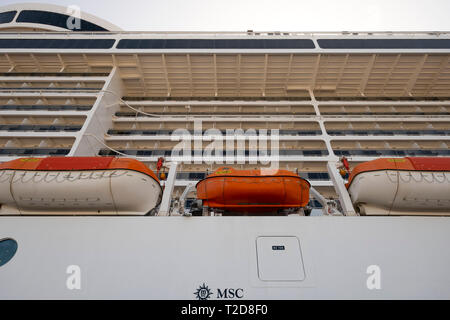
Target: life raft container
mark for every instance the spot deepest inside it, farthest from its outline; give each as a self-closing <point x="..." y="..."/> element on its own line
<point x="253" y="191"/>
<point x="77" y="185"/>
<point x="401" y="186"/>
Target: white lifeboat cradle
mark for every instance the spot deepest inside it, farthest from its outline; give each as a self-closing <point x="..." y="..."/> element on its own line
<point x="329" y="207"/>
<point x="385" y="192"/>
<point x="172" y="207"/>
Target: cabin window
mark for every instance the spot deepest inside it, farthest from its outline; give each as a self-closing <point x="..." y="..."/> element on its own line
<point x="215" y="44"/>
<point x="7" y="17"/>
<point x="54" y="19"/>
<point x="384" y="43"/>
<point x="56" y="43"/>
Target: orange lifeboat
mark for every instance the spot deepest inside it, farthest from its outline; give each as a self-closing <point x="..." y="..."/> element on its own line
<point x="253" y="191"/>
<point x="77" y="185"/>
<point x="401" y="186"/>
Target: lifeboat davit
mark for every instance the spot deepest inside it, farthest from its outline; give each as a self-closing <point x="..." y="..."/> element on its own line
<point x="77" y="185"/>
<point x="401" y="186"/>
<point x="253" y="191"/>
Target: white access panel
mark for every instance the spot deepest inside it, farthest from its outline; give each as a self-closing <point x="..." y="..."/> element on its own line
<point x="279" y="259"/>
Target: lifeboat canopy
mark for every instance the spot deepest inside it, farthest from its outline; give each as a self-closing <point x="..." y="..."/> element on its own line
<point x="77" y="186"/>
<point x="253" y="191"/>
<point x="401" y="186"/>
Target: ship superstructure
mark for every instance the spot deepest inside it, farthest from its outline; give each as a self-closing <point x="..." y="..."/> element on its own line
<point x="359" y="95"/>
<point x="302" y="100"/>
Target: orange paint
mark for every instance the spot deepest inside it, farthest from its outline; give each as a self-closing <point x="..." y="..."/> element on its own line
<point x="77" y="164"/>
<point x="249" y="191"/>
<point x="430" y="163"/>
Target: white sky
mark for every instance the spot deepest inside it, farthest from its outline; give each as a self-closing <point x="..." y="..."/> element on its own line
<point x="268" y="15"/>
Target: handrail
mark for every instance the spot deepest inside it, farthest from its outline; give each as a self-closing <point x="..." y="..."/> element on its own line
<point x="234" y="33"/>
<point x="47" y="91"/>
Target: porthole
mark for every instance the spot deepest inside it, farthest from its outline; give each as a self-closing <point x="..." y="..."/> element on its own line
<point x="8" y="248"/>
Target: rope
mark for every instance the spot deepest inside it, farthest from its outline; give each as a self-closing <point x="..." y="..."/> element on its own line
<point x="52" y="178"/>
<point x="428" y="174"/>
<point x="114" y="150"/>
<point x="134" y="109"/>
<point x="23" y="176"/>
<point x="188" y="117"/>
<point x="4" y="174"/>
<point x="396" y="188"/>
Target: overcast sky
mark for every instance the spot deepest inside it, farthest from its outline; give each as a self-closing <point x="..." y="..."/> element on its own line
<point x="268" y="15"/>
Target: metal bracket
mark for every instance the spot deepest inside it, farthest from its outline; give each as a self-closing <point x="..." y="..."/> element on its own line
<point x="341" y="190"/>
<point x="183" y="196"/>
<point x="164" y="208"/>
<point x="329" y="207"/>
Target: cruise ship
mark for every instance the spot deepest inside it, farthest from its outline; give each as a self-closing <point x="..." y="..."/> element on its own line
<point x="360" y="121"/>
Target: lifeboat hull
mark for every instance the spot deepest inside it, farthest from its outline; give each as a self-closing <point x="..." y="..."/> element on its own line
<point x="250" y="192"/>
<point x="77" y="186"/>
<point x="405" y="186"/>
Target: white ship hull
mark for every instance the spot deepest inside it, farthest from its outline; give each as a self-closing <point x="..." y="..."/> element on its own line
<point x="171" y="257"/>
<point x="321" y="95"/>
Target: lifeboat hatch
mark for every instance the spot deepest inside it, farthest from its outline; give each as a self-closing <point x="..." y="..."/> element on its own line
<point x="279" y="259"/>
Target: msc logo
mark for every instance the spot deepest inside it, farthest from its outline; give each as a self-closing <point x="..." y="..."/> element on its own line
<point x="204" y="293"/>
<point x="230" y="293"/>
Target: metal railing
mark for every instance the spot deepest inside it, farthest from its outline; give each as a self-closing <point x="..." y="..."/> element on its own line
<point x="234" y="33"/>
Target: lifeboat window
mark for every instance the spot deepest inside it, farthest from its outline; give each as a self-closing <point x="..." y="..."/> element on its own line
<point x="8" y="248"/>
